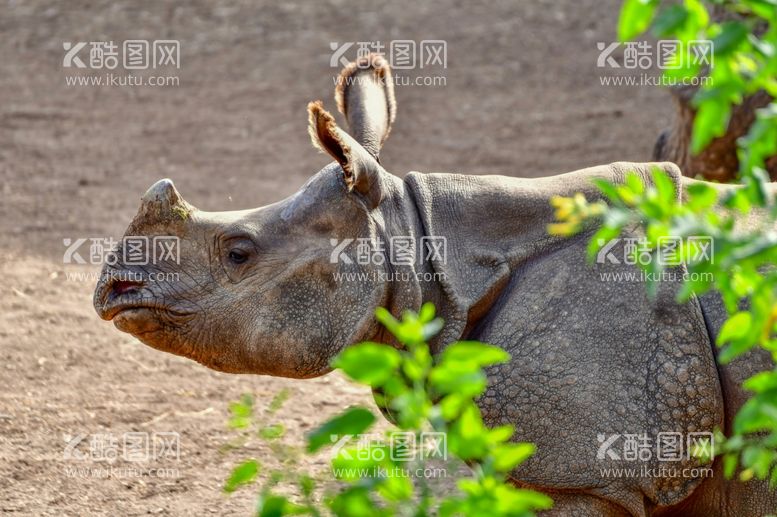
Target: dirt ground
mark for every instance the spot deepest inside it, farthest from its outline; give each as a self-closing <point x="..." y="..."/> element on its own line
<point x="522" y="98"/>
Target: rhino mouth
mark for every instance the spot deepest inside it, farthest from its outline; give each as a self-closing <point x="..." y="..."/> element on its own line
<point x="130" y="305"/>
<point x="125" y="301"/>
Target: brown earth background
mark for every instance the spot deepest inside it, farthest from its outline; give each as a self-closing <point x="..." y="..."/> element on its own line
<point x="522" y="98"/>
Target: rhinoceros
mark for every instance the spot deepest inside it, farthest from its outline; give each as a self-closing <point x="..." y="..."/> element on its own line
<point x="600" y="371"/>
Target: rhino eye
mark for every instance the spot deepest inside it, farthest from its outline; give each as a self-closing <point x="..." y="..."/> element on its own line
<point x="238" y="256"/>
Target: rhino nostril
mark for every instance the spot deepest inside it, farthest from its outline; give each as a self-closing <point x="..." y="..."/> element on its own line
<point x="124" y="286"/>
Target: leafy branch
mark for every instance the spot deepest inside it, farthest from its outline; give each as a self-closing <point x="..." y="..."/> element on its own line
<point x="425" y="396"/>
<point x="740" y="221"/>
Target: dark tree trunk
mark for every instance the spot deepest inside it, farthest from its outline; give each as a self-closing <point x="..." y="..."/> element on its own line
<point x="718" y="162"/>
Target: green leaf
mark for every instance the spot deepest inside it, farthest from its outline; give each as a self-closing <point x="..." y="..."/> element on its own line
<point x="601" y="238"/>
<point x="761" y="382"/>
<point x="739" y="201"/>
<point x="735" y="328"/>
<point x="272" y="432"/>
<point x="426" y="314"/>
<point x="635" y="18"/>
<point x="698" y="16"/>
<point x="608" y="189"/>
<point x="731" y="35"/>
<point x="396" y="488"/>
<point x="766" y="9"/>
<point x="362" y="461"/>
<point x="669" y="20"/>
<point x="729" y="465"/>
<point x="352" y="421"/>
<point x="520" y="501"/>
<point x="501" y="434"/>
<point x="307" y="484"/>
<point x="474" y="352"/>
<point x="710" y="122"/>
<point x="467" y="437"/>
<point x="271" y="505"/>
<point x="462" y="378"/>
<point x="278" y="400"/>
<point x="634" y="182"/>
<point x="664" y="186"/>
<point x="243" y="474"/>
<point x="369" y="363"/>
<point x="734" y="350"/>
<point x="387" y="319"/>
<point x="508" y="456"/>
<point x="241" y="412"/>
<point x="701" y="197"/>
<point x="355" y="502"/>
<point x="654" y="268"/>
<point x="451" y="405"/>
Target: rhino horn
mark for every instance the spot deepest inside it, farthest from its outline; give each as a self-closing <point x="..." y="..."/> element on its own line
<point x="162" y="202"/>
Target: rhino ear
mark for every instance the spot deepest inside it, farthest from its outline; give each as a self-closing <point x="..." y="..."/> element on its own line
<point x="365" y="96"/>
<point x="361" y="171"/>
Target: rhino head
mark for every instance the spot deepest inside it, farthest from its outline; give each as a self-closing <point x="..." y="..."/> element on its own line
<point x="256" y="291"/>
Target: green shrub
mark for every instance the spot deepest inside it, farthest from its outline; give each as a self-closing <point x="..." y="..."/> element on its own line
<point x="742" y="265"/>
<point x="426" y="397"/>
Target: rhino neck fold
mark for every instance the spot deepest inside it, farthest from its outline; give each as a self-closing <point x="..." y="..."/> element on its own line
<point x="492" y="225"/>
<point x="397" y="216"/>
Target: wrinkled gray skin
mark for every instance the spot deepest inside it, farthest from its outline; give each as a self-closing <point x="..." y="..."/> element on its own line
<point x="256" y="293"/>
